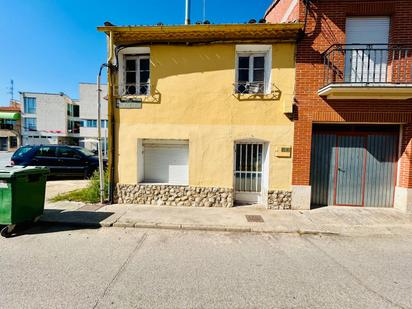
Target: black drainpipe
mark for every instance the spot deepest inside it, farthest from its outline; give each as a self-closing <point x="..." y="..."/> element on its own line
<point x="302" y="32"/>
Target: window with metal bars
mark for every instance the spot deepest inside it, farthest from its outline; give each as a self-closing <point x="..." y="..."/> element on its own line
<point x="137" y="75"/>
<point x="250" y="73"/>
<point x="248" y="170"/>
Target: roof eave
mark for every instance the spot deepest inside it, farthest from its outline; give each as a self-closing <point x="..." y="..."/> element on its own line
<point x="203" y="33"/>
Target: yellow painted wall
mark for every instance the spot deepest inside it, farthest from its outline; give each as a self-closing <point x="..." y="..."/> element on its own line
<point x="196" y="101"/>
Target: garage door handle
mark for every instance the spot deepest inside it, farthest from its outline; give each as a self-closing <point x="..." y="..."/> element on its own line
<point x="341" y="170"/>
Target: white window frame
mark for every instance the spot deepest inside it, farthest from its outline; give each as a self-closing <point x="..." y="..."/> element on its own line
<point x="137" y="72"/>
<point x="132" y="52"/>
<point x="255" y="51"/>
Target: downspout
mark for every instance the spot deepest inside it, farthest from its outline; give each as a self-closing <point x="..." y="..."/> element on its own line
<point x="111" y="124"/>
<point x="303" y="32"/>
<point x="99" y="134"/>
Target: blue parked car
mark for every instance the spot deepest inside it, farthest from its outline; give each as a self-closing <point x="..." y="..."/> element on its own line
<point x="62" y="160"/>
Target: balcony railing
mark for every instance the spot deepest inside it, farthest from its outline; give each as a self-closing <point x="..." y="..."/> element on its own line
<point x="368" y="64"/>
<point x="135" y="89"/>
<point x="257" y="88"/>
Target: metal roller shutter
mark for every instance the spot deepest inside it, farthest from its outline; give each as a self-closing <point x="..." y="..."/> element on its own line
<point x="166" y="163"/>
<point x="367" y="30"/>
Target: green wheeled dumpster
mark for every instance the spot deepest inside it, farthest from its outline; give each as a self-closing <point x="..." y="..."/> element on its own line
<point x="22" y="194"/>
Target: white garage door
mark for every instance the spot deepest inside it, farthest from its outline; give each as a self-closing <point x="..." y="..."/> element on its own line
<point x="166" y="163"/>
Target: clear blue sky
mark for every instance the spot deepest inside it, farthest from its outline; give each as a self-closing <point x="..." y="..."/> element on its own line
<point x="52" y="45"/>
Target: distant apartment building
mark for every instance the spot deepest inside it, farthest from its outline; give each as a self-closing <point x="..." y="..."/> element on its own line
<point x="55" y="118"/>
<point x="10" y="127"/>
<point x="88" y="116"/>
<point x="49" y="118"/>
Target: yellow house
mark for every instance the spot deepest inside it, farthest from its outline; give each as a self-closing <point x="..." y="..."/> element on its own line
<point x="200" y="115"/>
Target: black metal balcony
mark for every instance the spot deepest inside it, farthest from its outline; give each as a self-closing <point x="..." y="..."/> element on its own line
<point x="368" y="64"/>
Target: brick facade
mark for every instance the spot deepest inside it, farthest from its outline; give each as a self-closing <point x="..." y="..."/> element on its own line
<point x="325" y="27"/>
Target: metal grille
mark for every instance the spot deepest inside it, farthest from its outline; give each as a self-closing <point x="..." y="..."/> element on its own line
<point x="137" y="89"/>
<point x="136" y="75"/>
<point x="368" y="63"/>
<point x="248" y="171"/>
<point x="250" y="87"/>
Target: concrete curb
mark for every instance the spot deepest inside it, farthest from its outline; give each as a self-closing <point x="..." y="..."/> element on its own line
<point x="184" y="227"/>
<point x="330" y="230"/>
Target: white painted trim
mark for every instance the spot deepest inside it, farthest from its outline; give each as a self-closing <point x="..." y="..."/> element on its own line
<point x="301" y="197"/>
<point x="254" y="197"/>
<point x="244" y="48"/>
<point x="165" y="141"/>
<point x="129" y="51"/>
<point x="403" y="199"/>
<point x="140" y="161"/>
<point x="265" y="173"/>
<point x="134" y="50"/>
<point x="398" y="170"/>
<point x="256" y="50"/>
<point x="351" y="91"/>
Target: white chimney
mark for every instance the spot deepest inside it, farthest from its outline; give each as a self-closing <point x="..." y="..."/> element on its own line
<point x="187" y="19"/>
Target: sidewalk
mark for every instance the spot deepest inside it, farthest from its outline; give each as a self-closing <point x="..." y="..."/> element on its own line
<point x="327" y="220"/>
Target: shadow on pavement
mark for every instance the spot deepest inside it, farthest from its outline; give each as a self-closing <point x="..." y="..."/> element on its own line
<point x="45" y="228"/>
<point x="58" y="220"/>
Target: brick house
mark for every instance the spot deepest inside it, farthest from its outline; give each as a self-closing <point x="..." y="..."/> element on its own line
<point x="353" y="107"/>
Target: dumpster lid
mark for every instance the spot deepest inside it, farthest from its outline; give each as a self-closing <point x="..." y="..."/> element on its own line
<point x="12" y="171"/>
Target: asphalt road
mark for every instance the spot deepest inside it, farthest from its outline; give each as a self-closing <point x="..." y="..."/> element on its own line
<point x="55" y="267"/>
<point x="5" y="158"/>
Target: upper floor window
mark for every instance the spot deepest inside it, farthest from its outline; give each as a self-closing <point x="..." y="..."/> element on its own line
<point x="253" y="69"/>
<point x="137" y="75"/>
<point x="251" y="73"/>
<point x="29" y="105"/>
<point x="73" y="110"/>
<point x="30" y="124"/>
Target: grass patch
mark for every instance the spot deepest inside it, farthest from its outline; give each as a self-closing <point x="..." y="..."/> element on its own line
<point x="90" y="194"/>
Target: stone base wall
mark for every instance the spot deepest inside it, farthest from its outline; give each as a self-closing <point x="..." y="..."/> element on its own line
<point x="170" y="195"/>
<point x="279" y="199"/>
